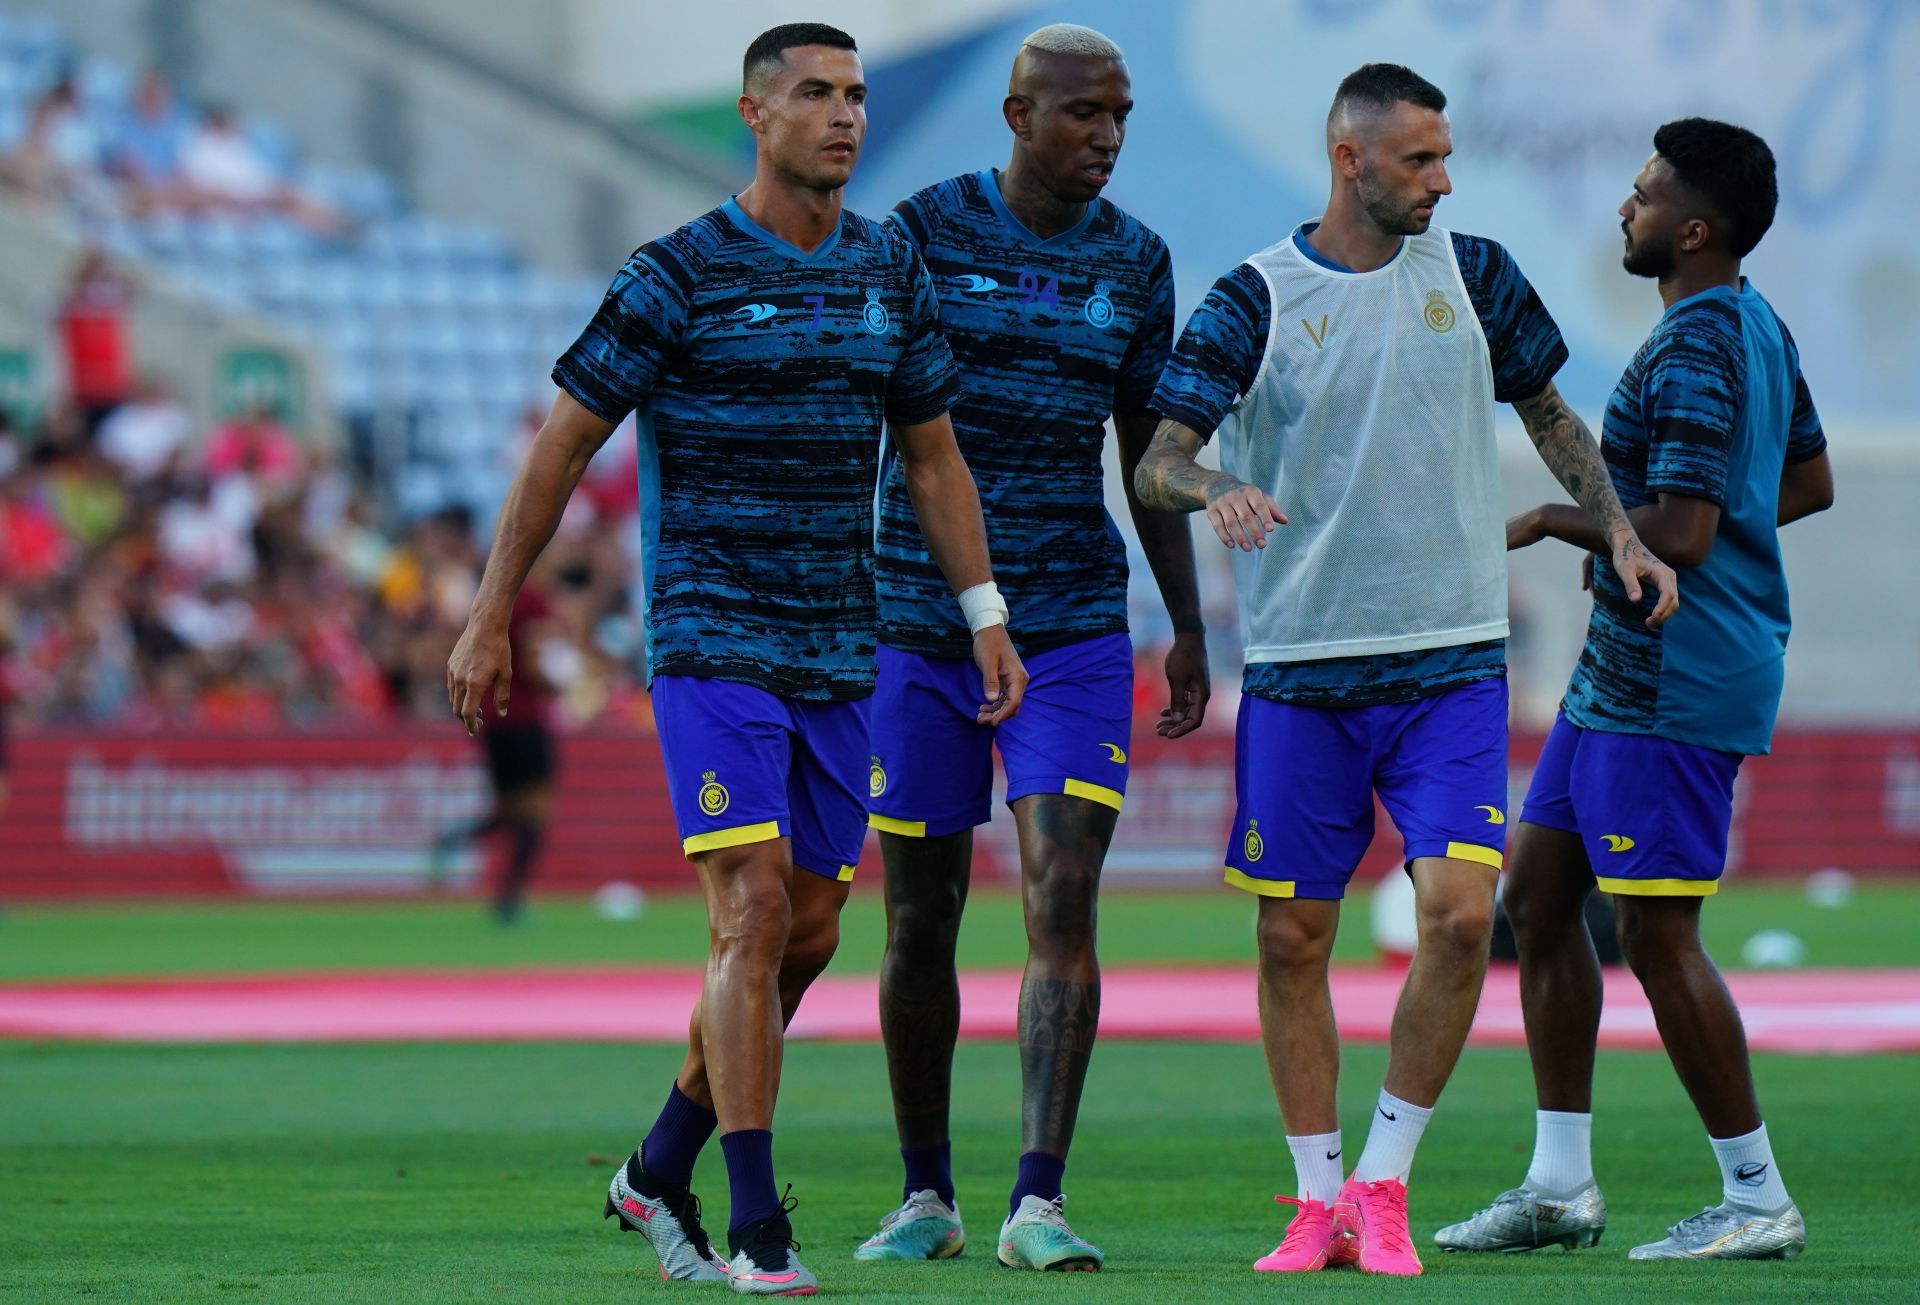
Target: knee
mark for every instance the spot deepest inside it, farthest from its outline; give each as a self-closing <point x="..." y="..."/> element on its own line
<point x="928" y="917"/>
<point x="1650" y="944"/>
<point x="1062" y="914"/>
<point x="811" y="946"/>
<point x="752" y="921"/>
<point x="1290" y="938"/>
<point x="1460" y="922"/>
<point x="1522" y="898"/>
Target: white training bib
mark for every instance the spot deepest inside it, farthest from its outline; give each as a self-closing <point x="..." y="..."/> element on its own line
<point x="1370" y="423"/>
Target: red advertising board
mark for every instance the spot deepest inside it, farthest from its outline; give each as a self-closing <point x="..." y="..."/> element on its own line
<point x="105" y="814"/>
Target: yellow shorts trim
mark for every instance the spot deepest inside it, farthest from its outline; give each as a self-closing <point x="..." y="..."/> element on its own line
<point x="1260" y="887"/>
<point x="1106" y="797"/>
<point x="1660" y="887"/>
<point x="846" y="874"/>
<point x="888" y="825"/>
<point x="765" y="831"/>
<point x="1474" y="852"/>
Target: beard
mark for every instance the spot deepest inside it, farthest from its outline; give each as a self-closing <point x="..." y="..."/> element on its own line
<point x="1647" y="259"/>
<point x="1391" y="213"/>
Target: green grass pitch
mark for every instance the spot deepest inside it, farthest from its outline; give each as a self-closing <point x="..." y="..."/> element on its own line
<point x="475" y="1173"/>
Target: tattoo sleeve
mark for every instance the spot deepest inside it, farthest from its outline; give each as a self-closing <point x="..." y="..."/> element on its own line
<point x="1169" y="479"/>
<point x="1568" y="449"/>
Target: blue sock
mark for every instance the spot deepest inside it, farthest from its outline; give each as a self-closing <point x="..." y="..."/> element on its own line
<point x="1040" y="1176"/>
<point x="675" y="1140"/>
<point x="929" y="1167"/>
<point x="750" y="1177"/>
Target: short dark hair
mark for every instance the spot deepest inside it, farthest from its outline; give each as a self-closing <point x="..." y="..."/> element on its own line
<point x="772" y="45"/>
<point x="1378" y="86"/>
<point x="1730" y="168"/>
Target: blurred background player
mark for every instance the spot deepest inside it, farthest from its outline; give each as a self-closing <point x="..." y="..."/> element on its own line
<point x="1059" y="308"/>
<point x="764" y="343"/>
<point x="521" y="752"/>
<point x="1353" y="369"/>
<point x="1712" y="440"/>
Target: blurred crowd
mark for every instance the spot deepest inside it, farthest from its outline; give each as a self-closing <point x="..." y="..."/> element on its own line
<point x="148" y="156"/>
<point x="157" y="574"/>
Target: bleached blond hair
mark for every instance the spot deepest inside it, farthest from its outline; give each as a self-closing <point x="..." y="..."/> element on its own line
<point x="1071" y="38"/>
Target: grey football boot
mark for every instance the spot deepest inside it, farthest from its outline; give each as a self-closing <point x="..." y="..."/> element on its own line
<point x="1526" y="1220"/>
<point x="1727" y="1232"/>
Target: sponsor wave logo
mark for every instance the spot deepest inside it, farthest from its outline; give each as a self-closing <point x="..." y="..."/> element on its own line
<point x="751" y="313"/>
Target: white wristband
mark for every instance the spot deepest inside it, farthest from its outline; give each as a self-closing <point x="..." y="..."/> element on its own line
<point x="983" y="606"/>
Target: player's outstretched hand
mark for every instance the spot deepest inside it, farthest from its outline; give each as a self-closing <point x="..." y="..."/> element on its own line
<point x="1002" y="675"/>
<point x="480" y="662"/>
<point x="1188" y="686"/>
<point x="1242" y="517"/>
<point x="1638" y="567"/>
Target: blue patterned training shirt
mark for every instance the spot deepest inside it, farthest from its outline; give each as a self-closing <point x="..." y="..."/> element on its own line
<point x="760" y="376"/>
<point x="1713" y="406"/>
<point x="1051" y="336"/>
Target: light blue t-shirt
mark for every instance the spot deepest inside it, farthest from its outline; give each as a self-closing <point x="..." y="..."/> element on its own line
<point x="1712" y="406"/>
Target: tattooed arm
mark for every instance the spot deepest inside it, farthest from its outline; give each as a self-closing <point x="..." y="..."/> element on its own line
<point x="1168" y="478"/>
<point x="1603" y="526"/>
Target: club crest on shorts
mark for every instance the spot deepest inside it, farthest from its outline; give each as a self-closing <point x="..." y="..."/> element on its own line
<point x="714" y="797"/>
<point x="1099" y="308"/>
<point x="874" y="315"/>
<point x="1253" y="845"/>
<point x="1438" y="313"/>
<point x="876" y="778"/>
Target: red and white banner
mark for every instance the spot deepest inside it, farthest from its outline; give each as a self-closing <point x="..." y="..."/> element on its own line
<point x="103" y="814"/>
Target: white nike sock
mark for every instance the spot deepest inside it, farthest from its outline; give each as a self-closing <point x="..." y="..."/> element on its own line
<point x="1316" y="1164"/>
<point x="1748" y="1175"/>
<point x="1562" y="1153"/>
<point x="1396" y="1130"/>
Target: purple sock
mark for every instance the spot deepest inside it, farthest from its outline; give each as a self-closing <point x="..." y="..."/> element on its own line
<point x="929" y="1167"/>
<point x="674" y="1141"/>
<point x="1040" y="1176"/>
<point x="750" y="1177"/>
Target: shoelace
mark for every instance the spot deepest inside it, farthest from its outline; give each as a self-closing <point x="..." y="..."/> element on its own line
<point x="1710" y="1218"/>
<point x="1302" y="1227"/>
<point x="764" y="1236"/>
<point x="1055" y="1212"/>
<point x="1386" y="1218"/>
<point x="685" y="1206"/>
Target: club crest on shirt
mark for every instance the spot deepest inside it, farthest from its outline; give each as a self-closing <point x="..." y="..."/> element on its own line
<point x="714" y="797"/>
<point x="1438" y="313"/>
<point x="1100" y="308"/>
<point x="1253" y="845"/>
<point x="874" y="315"/>
<point x="876" y="778"/>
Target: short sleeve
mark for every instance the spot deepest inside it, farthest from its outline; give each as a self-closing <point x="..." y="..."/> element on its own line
<point x="1522" y="338"/>
<point x="1695" y="383"/>
<point x="618" y="359"/>
<point x="1152" y="343"/>
<point x="1218" y="356"/>
<point x="909" y="219"/>
<point x="1805" y="438"/>
<point x="925" y="381"/>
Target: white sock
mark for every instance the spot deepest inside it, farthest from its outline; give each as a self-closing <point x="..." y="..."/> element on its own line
<point x="1396" y="1130"/>
<point x="1748" y="1176"/>
<point x="1316" y="1164"/>
<point x="1562" y="1153"/>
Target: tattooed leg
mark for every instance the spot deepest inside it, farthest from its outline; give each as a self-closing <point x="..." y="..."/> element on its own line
<point x="926" y="883"/>
<point x="1063" y="841"/>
